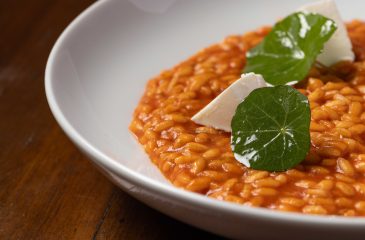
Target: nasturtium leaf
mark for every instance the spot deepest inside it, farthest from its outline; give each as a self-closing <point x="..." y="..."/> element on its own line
<point x="270" y="129"/>
<point x="287" y="53"/>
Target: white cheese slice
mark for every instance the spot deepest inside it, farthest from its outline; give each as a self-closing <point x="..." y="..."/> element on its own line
<point x="339" y="46"/>
<point x="219" y="112"/>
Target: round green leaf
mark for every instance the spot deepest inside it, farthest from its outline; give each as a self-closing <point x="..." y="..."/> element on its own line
<point x="270" y="129"/>
<point x="287" y="53"/>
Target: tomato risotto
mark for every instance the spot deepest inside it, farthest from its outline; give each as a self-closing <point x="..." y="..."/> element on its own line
<point x="330" y="181"/>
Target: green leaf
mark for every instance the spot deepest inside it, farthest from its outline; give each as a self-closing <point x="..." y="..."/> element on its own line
<point x="287" y="53"/>
<point x="270" y="129"/>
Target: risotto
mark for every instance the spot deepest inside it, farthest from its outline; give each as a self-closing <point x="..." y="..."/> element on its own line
<point x="330" y="181"/>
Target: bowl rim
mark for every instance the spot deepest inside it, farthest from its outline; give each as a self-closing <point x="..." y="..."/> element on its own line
<point x="153" y="185"/>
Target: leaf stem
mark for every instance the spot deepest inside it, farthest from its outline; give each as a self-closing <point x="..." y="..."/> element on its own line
<point x="324" y="67"/>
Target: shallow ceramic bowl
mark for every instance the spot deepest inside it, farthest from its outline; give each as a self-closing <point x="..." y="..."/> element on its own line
<point x="96" y="74"/>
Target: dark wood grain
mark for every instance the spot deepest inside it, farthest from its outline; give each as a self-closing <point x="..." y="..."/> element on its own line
<point x="48" y="190"/>
<point x="129" y="219"/>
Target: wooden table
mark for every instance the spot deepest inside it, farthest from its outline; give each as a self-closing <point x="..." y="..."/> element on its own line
<point x="48" y="190"/>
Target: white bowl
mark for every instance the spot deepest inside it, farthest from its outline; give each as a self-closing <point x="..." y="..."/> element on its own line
<point x="97" y="72"/>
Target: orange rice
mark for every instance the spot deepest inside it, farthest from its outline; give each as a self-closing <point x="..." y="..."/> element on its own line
<point x="330" y="181"/>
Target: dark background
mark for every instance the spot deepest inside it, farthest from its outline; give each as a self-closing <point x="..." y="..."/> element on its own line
<point x="48" y="190"/>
